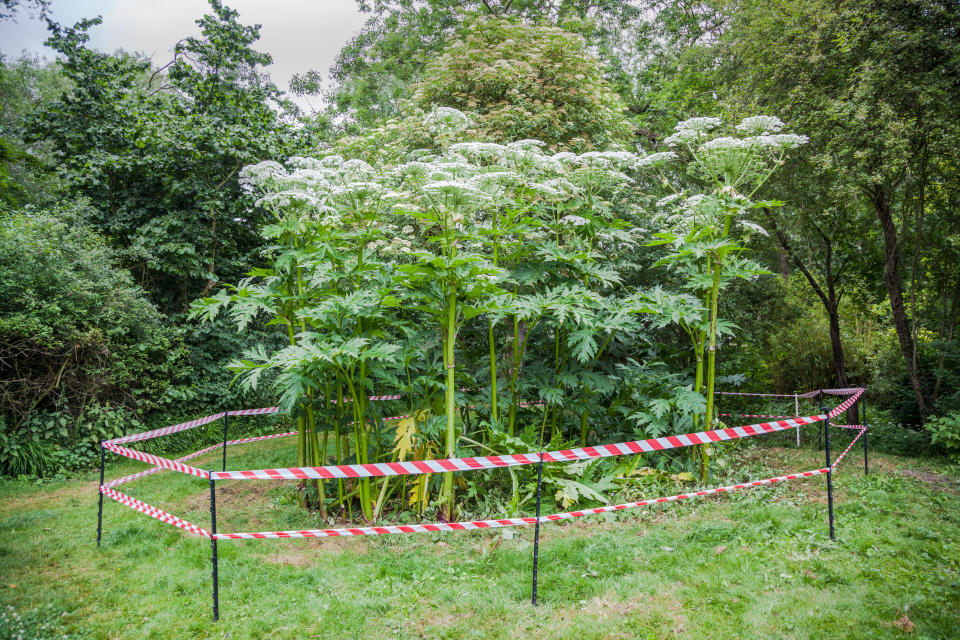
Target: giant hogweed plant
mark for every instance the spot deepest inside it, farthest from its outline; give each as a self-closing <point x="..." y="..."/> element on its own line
<point x="705" y="229"/>
<point x="376" y="272"/>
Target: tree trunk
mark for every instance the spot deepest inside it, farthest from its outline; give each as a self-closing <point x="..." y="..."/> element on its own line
<point x="829" y="298"/>
<point x="891" y="277"/>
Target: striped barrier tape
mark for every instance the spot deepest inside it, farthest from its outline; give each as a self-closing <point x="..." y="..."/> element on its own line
<point x="846" y="404"/>
<point x="759" y="395"/>
<point x="808" y="394"/>
<point x="847" y="450"/>
<point x="505" y="522"/>
<point x="197" y="454"/>
<point x="417" y="467"/>
<point x="164" y="431"/>
<point x="157" y="461"/>
<point x="751" y="415"/>
<point x="154" y="512"/>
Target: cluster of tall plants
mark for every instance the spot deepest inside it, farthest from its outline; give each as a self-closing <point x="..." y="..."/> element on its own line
<point x="476" y="276"/>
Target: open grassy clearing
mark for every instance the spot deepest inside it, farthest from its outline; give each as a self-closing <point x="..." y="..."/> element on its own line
<point x="752" y="565"/>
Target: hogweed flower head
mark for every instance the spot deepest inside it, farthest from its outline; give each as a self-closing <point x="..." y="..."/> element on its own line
<point x="759" y="125"/>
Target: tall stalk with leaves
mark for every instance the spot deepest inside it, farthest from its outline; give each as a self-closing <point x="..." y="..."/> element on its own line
<point x="705" y="228"/>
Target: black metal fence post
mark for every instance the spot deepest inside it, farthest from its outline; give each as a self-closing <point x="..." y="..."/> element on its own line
<point x="820" y="403"/>
<point x="103" y="453"/>
<point x="226" y="418"/>
<point x="213" y="544"/>
<point x="826" y="441"/>
<point x="536" y="530"/>
<point x="866" y="462"/>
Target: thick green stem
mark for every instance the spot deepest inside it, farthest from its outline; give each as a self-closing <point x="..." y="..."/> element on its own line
<point x="360" y="440"/>
<point x="451" y="440"/>
<point x="513" y="375"/>
<point x="493" y="374"/>
<point x="711" y="364"/>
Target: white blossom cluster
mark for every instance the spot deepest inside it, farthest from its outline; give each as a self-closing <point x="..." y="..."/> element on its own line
<point x="760" y="125"/>
<point x="466" y="183"/>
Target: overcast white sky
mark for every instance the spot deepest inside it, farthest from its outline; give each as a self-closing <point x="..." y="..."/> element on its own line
<point x="299" y="34"/>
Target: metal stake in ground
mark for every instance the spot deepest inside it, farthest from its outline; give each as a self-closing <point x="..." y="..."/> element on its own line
<point x="103" y="453"/>
<point x="536" y="530"/>
<point x="796" y="414"/>
<point x="213" y="544"/>
<point x="826" y="441"/>
<point x="226" y="418"/>
<point x="820" y="434"/>
<point x="863" y="421"/>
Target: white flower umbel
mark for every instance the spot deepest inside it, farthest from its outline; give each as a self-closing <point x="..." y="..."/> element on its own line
<point x="684" y="137"/>
<point x="527" y="144"/>
<point x="724" y="144"/>
<point x="574" y="220"/>
<point x="758" y="125"/>
<point x="656" y="159"/>
<point x="699" y="124"/>
<point x="446" y="121"/>
<point x="301" y="162"/>
<point x="670" y="199"/>
<point x="285" y="199"/>
<point x="258" y="175"/>
<point x="485" y="150"/>
<point x="608" y="158"/>
<point x="777" y="141"/>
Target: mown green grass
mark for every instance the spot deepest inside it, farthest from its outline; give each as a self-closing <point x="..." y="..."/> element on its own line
<point x="757" y="564"/>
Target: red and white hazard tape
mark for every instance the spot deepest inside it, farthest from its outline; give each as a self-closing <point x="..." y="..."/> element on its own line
<point x="197" y="454"/>
<point x="253" y="412"/>
<point x="758" y="395"/>
<point x="846" y="404"/>
<point x="154" y="512"/>
<point x="157" y="461"/>
<point x="505" y="522"/>
<point x="417" y="467"/>
<point x="156" y="433"/>
<point x="847" y="450"/>
<point x="751" y="415"/>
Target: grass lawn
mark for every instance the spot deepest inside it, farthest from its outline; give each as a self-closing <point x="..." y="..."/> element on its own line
<point x="754" y="564"/>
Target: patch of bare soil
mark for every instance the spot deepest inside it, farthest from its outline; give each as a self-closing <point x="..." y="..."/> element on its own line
<point x="943" y="483"/>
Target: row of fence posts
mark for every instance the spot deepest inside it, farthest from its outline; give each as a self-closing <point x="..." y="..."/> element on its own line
<point x="824" y="431"/>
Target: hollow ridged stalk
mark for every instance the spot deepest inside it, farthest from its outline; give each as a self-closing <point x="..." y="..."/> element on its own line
<point x="360" y="440"/>
<point x="493" y="373"/>
<point x="450" y="397"/>
<point x="711" y="362"/>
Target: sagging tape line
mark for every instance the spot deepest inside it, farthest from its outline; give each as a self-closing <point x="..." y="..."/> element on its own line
<point x="504" y="522"/>
<point x="419" y="467"/>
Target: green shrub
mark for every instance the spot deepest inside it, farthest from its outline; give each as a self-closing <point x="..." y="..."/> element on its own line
<point x="82" y="349"/>
<point x="945" y="432"/>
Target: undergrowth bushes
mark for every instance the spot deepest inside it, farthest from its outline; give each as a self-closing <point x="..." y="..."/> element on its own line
<point x="85" y="355"/>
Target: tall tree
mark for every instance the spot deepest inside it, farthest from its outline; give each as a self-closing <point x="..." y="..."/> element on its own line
<point x="377" y="67"/>
<point x="876" y="84"/>
<point x="157" y="150"/>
